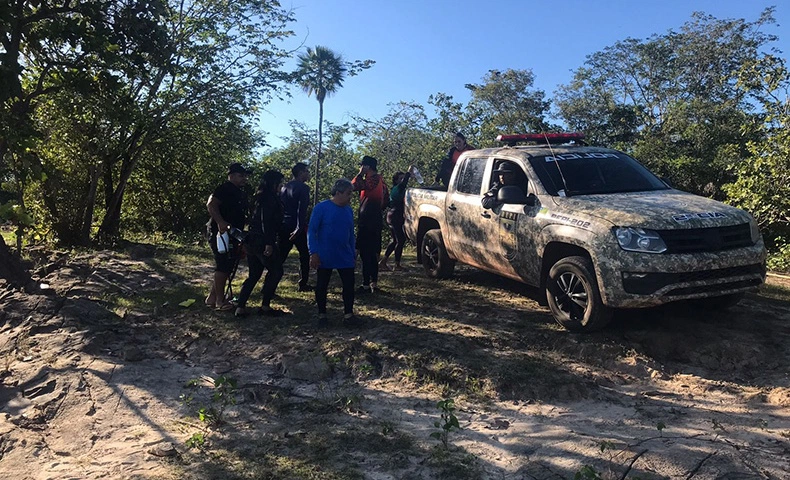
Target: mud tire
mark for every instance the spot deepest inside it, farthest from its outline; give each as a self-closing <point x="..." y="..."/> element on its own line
<point x="434" y="255"/>
<point x="573" y="296"/>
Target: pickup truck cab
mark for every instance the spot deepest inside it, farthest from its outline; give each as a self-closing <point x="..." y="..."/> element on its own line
<point x="590" y="226"/>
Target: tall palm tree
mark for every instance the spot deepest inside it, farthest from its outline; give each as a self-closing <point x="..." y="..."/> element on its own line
<point x="320" y="71"/>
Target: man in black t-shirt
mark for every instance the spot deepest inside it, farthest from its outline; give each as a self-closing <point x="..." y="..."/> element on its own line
<point x="228" y="208"/>
<point x="295" y="197"/>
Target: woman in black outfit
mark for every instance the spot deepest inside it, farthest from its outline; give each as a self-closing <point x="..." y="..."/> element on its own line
<point x="261" y="243"/>
<point x="395" y="219"/>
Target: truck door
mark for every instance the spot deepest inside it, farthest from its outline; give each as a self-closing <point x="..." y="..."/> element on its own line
<point x="468" y="223"/>
<point x="516" y="231"/>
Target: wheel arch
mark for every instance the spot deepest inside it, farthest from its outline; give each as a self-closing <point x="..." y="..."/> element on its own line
<point x="553" y="252"/>
<point x="425" y="224"/>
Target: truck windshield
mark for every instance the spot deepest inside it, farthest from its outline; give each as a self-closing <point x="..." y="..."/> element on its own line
<point x="587" y="173"/>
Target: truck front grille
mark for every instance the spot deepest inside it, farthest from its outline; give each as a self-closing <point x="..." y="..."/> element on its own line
<point x="693" y="240"/>
<point x="649" y="283"/>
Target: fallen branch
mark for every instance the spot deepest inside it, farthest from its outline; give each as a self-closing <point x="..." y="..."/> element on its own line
<point x="699" y="465"/>
<point x="630" y="465"/>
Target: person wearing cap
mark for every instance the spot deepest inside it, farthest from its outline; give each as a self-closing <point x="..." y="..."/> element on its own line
<point x="448" y="164"/>
<point x="295" y="197"/>
<point x="505" y="173"/>
<point x="371" y="201"/>
<point x="227" y="206"/>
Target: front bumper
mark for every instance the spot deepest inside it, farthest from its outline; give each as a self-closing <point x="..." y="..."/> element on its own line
<point x="637" y="280"/>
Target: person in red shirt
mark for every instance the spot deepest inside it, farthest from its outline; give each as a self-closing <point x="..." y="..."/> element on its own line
<point x="371" y="200"/>
<point x="446" y="169"/>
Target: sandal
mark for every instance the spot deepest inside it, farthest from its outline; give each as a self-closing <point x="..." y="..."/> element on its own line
<point x="210" y="304"/>
<point x="225" y="307"/>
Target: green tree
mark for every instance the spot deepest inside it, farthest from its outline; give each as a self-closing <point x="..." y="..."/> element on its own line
<point x="674" y="99"/>
<point x="762" y="184"/>
<point x="321" y="71"/>
<point x="105" y="82"/>
<point x="46" y="47"/>
<point x="507" y="102"/>
<point x="338" y="154"/>
<point x="399" y="139"/>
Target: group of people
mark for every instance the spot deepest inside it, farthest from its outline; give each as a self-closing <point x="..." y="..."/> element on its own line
<point x="327" y="242"/>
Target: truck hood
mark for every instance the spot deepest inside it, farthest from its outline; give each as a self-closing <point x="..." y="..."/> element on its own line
<point x="658" y="210"/>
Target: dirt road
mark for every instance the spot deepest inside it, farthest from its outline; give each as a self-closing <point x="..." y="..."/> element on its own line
<point x="104" y="376"/>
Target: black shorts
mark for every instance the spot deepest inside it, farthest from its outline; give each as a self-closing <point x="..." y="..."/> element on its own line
<point x="224" y="261"/>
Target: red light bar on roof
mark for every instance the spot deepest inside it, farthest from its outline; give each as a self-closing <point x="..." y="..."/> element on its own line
<point x="544" y="138"/>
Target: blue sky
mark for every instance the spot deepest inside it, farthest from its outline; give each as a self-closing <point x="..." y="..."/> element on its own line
<point x="422" y="47"/>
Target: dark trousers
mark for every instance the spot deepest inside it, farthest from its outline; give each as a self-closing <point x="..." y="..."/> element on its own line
<point x="322" y="286"/>
<point x="257" y="262"/>
<point x="369" y="246"/>
<point x="398" y="234"/>
<point x="300" y="242"/>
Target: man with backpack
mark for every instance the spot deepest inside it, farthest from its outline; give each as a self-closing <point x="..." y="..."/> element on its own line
<point x="373" y="198"/>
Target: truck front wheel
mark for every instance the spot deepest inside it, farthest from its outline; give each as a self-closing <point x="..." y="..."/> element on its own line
<point x="573" y="296"/>
<point x="434" y="256"/>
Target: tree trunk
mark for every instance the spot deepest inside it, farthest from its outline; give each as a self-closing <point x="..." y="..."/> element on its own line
<point x="90" y="204"/>
<point x="318" y="157"/>
<point x="11" y="268"/>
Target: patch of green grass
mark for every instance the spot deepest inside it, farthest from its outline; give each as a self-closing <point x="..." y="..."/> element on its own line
<point x="150" y="300"/>
<point x="776" y="291"/>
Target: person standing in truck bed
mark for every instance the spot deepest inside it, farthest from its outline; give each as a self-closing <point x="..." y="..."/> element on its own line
<point x="446" y="168"/>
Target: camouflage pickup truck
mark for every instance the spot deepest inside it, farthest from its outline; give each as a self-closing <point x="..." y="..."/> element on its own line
<point x="590" y="226"/>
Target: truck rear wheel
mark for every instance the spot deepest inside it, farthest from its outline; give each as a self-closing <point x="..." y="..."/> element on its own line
<point x="434" y="256"/>
<point x="573" y="296"/>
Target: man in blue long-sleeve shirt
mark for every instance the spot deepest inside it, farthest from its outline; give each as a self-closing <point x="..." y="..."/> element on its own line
<point x="295" y="197"/>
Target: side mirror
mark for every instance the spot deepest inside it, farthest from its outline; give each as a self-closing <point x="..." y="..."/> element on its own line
<point x="532" y="200"/>
<point x="512" y="194"/>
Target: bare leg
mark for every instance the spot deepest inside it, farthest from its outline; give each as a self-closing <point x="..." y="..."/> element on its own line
<point x="220" y="279"/>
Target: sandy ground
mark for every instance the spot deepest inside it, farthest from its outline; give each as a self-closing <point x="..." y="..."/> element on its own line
<point x="89" y="391"/>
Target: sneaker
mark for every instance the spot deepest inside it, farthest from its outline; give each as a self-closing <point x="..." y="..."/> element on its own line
<point x="306" y="288"/>
<point x="352" y="321"/>
<point x="362" y="289"/>
<point x="322" y="321"/>
<point x="241" y="312"/>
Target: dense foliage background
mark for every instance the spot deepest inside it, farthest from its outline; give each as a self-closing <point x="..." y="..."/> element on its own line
<point x="121" y="116"/>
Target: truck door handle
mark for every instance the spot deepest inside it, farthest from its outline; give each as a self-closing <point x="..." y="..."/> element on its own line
<point x="452" y="207"/>
<point x="486" y="214"/>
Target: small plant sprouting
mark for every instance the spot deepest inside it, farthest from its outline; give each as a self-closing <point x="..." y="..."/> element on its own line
<point x="605" y="445"/>
<point x="587" y="473"/>
<point x="213" y="415"/>
<point x="387" y="428"/>
<point x="197" y="440"/>
<point x="448" y="422"/>
<point x="660" y="426"/>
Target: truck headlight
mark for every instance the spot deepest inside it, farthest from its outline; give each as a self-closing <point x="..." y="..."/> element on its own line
<point x="639" y="240"/>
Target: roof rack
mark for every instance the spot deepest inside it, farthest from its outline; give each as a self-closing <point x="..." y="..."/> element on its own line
<point x="542" y="138"/>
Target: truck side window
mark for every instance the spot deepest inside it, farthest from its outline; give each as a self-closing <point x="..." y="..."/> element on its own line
<point x="470" y="178"/>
